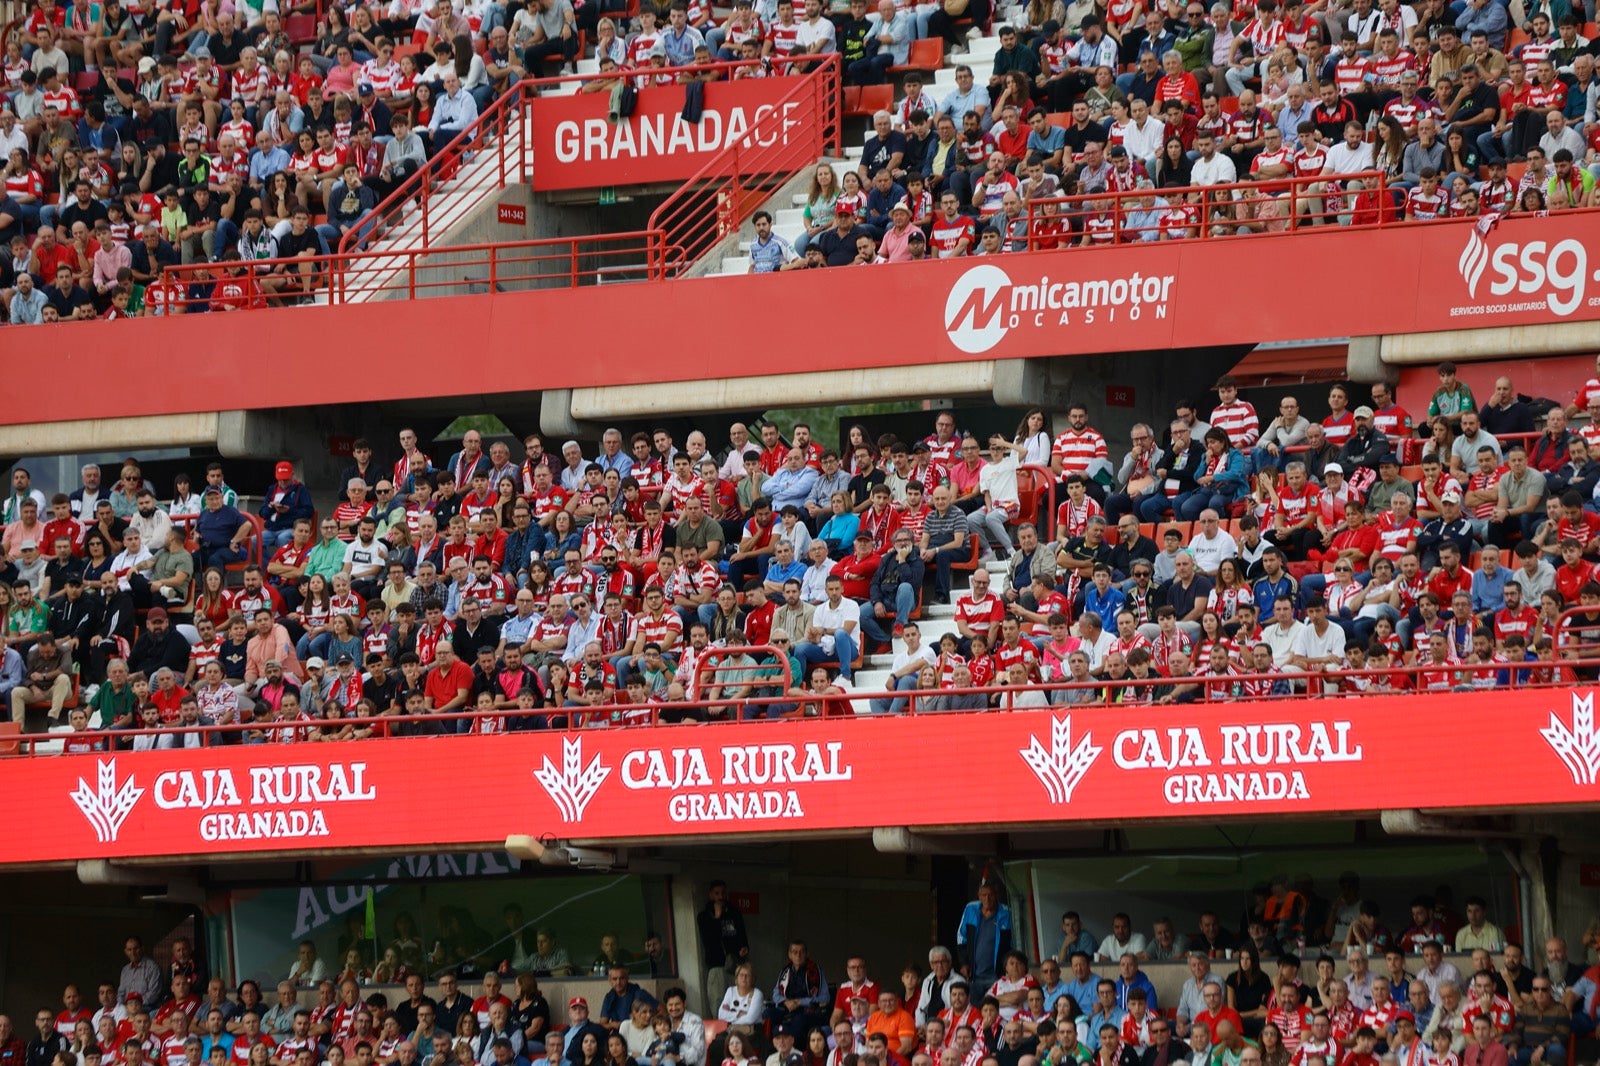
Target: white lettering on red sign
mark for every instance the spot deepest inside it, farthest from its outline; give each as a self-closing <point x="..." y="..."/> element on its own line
<point x="596" y="140"/>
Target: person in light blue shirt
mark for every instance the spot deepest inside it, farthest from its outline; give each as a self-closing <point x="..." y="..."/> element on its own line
<point x="27" y="302"/>
<point x="612" y="455"/>
<point x="792" y="483"/>
<point x="1106" y="1011"/>
<point x="967" y="96"/>
<point x="1487" y="15"/>
<point x="1144" y="216"/>
<point x="783" y="566"/>
<point x="267" y="159"/>
<point x="680" y="39"/>
<point x="1489" y="583"/>
<point x="453" y="112"/>
<point x="769" y="252"/>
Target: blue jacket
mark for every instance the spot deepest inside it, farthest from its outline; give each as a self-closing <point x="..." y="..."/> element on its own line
<point x="967" y="937"/>
<point x="298" y="499"/>
<point x="1231" y="481"/>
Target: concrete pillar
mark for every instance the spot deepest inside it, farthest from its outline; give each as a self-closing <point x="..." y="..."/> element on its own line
<point x="1364" y="362"/>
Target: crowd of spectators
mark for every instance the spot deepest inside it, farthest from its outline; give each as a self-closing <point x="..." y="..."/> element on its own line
<point x="1223" y="555"/>
<point x="135" y="138"/>
<point x="1334" y="113"/>
<point x="982" y="1002"/>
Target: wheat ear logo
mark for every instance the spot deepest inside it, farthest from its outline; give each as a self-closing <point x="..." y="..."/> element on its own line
<point x="573" y="785"/>
<point x="1579" y="744"/>
<point x="1060" y="767"/>
<point x="107" y="805"/>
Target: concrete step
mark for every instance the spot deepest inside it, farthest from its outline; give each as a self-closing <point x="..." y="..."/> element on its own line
<point x="736" y="264"/>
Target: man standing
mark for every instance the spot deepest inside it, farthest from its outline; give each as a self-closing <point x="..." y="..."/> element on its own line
<point x="723" y="941"/>
<point x="984" y="936"/>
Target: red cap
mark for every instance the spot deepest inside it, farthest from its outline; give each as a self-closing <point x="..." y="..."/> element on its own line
<point x="844" y="209"/>
<point x="577" y="1001"/>
<point x="284" y="470"/>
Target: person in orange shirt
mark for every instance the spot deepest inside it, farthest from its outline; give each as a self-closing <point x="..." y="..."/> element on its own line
<point x="894" y="1022"/>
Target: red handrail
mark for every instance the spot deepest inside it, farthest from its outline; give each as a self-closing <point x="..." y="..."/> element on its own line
<point x="1290" y="192"/>
<point x="840" y="704"/>
<point x="489" y="133"/>
<point x="458" y="270"/>
<point x="717" y="200"/>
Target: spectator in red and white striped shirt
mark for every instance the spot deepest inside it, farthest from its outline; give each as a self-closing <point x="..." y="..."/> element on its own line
<point x="1235" y="417"/>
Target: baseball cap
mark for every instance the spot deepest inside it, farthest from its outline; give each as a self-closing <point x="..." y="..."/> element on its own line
<point x="1363" y="412"/>
<point x="146" y="65"/>
<point x="900" y="206"/>
<point x="284" y="470"/>
<point x="212" y="489"/>
<point x="201" y="53"/>
<point x="1050" y="28"/>
<point x="316" y="661"/>
<point x="156" y="614"/>
<point x="341" y="660"/>
<point x="1450" y="497"/>
<point x="844" y="209"/>
<point x="1406" y="1016"/>
<point x="577" y="1001"/>
<point x="365" y="88"/>
<point x="29" y="544"/>
<point x="1333" y="468"/>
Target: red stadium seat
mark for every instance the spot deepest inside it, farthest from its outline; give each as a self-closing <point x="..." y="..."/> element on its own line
<point x="926" y="54"/>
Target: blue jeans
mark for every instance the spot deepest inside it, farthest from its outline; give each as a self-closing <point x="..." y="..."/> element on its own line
<point x="273" y="539"/>
<point x="1190" y="504"/>
<point x="844" y="650"/>
<point x="307" y="646"/>
<point x="1154" y="508"/>
<point x="1494" y="149"/>
<point x="905" y="599"/>
<point x="896" y="705"/>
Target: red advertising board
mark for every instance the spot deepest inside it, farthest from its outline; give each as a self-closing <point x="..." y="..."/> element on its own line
<point x="1148" y="297"/>
<point x="1094" y="765"/>
<point x="577" y="146"/>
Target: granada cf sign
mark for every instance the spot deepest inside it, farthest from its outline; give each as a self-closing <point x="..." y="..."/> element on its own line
<point x="578" y="144"/>
<point x="1207" y="761"/>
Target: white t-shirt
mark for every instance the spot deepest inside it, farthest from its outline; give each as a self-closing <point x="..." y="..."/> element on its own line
<point x="1218" y="170"/>
<point x="1283" y="642"/>
<point x="1342" y="159"/>
<point x="1111" y="948"/>
<point x="923" y="654"/>
<point x="999" y="480"/>
<point x="829" y="619"/>
<point x="1312" y="646"/>
<point x="366" y="560"/>
<point x="811" y="32"/>
<point x="1208" y="554"/>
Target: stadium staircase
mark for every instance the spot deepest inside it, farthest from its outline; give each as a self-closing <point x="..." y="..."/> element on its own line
<point x="788" y="220"/>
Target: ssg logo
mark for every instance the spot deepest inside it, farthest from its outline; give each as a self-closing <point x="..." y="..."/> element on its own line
<point x="1559" y="271"/>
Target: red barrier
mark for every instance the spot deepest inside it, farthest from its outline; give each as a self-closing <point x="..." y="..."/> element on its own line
<point x="1424" y="276"/>
<point x="1078" y="764"/>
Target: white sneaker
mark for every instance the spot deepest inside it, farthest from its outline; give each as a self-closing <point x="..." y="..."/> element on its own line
<point x="567" y="68"/>
<point x="974" y="33"/>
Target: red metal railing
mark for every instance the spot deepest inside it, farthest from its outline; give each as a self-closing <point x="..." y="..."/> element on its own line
<point x="1249" y="208"/>
<point x="361" y="277"/>
<point x="798" y="701"/>
<point x="714" y="203"/>
<point x="489" y="133"/>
